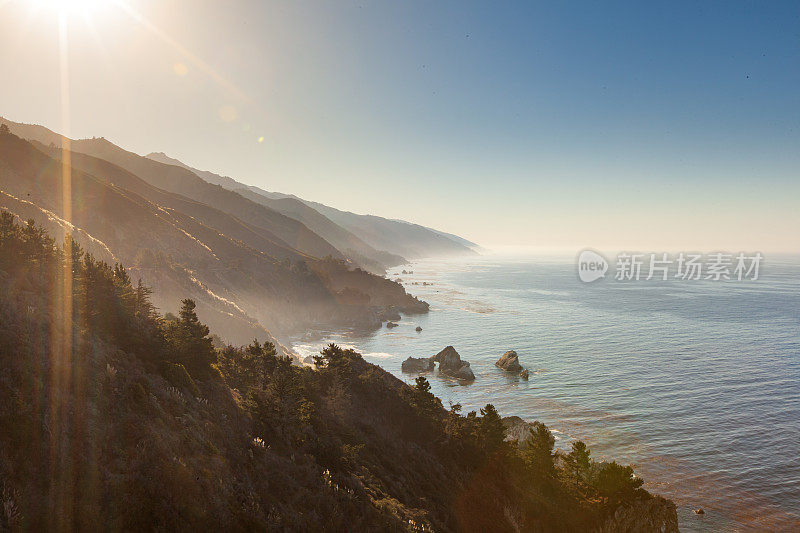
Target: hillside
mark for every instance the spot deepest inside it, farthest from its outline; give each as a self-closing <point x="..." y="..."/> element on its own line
<point x="397" y="236"/>
<point x="371" y="242"/>
<point x="184" y="182"/>
<point x="348" y="231"/>
<point x="243" y="278"/>
<point x="351" y="246"/>
<point x="113" y="417"/>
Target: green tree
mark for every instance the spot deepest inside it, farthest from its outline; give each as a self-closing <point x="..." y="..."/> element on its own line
<point x="577" y="462"/>
<point x="538" y="453"/>
<point x="422" y="385"/>
<point x="189" y="341"/>
<point x="617" y="483"/>
<point x="492" y="433"/>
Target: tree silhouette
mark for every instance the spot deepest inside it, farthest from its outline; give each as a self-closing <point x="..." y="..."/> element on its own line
<point x="189" y="340"/>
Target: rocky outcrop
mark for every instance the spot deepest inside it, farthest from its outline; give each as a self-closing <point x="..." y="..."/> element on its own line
<point x="450" y="363"/>
<point x="509" y="362"/>
<point x="517" y="430"/>
<point x="389" y="313"/>
<point x="524" y="374"/>
<point x="648" y="514"/>
<point x="417" y="364"/>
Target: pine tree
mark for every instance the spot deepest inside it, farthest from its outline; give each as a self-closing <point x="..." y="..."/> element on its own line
<point x="578" y="462"/>
<point x="189" y="340"/>
<point x="538" y="452"/>
<point x="492" y="431"/>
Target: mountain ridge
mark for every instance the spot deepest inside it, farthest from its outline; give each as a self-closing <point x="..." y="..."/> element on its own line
<point x="182" y="181"/>
<point x="438" y="242"/>
<point x="184" y="247"/>
<point x="352" y="246"/>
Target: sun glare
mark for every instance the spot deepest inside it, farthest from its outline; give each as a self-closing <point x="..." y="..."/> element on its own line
<point x="71" y="6"/>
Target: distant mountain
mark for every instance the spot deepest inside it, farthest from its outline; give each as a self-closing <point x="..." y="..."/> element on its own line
<point x="118" y="225"/>
<point x="353" y="247"/>
<point x="346" y="242"/>
<point x="258" y="238"/>
<point x="243" y="277"/>
<point x="223" y="181"/>
<point x="404" y="238"/>
<point x="456" y="238"/>
<point x="182" y="181"/>
<point x="375" y="236"/>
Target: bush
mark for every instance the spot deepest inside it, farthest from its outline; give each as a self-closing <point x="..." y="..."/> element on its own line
<point x="177" y="376"/>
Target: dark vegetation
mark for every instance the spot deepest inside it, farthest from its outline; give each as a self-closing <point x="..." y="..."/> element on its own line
<point x="113" y="417"/>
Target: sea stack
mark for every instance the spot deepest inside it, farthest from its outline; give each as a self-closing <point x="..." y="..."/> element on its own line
<point x="450" y="363"/>
<point x="417" y="364"/>
<point x="509" y="362"/>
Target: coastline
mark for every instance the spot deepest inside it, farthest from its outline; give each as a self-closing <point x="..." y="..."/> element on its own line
<point x="609" y="433"/>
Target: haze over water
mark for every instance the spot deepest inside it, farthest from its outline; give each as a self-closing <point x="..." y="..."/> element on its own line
<point x="695" y="383"/>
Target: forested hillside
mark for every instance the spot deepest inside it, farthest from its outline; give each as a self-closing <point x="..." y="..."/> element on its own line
<point x="244" y="279"/>
<point x="114" y="417"/>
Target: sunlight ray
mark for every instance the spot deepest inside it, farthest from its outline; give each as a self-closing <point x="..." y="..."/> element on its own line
<point x="62" y="324"/>
<point x="196" y="61"/>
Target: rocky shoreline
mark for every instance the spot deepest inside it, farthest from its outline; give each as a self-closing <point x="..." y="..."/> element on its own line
<point x="654" y="513"/>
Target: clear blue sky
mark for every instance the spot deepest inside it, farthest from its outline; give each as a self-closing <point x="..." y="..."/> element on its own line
<point x="549" y="124"/>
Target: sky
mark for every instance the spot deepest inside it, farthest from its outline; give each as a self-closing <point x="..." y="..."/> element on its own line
<point x="553" y="125"/>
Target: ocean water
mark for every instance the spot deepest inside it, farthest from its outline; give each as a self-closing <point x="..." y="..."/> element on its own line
<point x="696" y="384"/>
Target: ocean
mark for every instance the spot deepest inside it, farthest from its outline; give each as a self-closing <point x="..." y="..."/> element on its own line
<point x="694" y="383"/>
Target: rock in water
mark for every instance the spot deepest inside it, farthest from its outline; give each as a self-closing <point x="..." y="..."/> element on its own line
<point x="450" y="363"/>
<point x="418" y="329"/>
<point x="524" y="374"/>
<point x="417" y="364"/>
<point x="465" y="372"/>
<point x="391" y="325"/>
<point x="509" y="362"/>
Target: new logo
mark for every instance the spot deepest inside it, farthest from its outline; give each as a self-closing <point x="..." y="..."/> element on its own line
<point x="591" y="266"/>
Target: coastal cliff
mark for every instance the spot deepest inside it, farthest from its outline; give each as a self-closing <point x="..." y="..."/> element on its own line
<point x="122" y="419"/>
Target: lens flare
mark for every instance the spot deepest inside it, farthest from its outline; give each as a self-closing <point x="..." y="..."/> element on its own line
<point x="82" y="6"/>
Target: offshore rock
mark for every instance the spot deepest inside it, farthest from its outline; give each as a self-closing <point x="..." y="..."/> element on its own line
<point x="417" y="364"/>
<point x="450" y="363"/>
<point x="509" y="362"/>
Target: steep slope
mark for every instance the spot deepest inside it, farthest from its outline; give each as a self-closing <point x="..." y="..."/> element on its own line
<point x="184" y="182"/>
<point x="243" y="279"/>
<point x="167" y="249"/>
<point x="345" y="230"/>
<point x="255" y="237"/>
<point x="223" y="181"/>
<point x="404" y="238"/>
<point x="399" y="237"/>
<point x="353" y="247"/>
<point x="122" y="420"/>
<point x="396" y="237"/>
